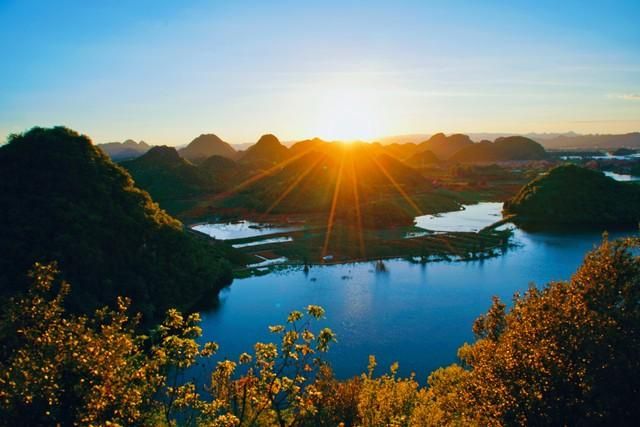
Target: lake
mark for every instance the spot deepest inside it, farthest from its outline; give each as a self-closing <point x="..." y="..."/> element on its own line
<point x="469" y="218"/>
<point x="415" y="314"/>
<point x="239" y="229"/>
<point x="621" y="176"/>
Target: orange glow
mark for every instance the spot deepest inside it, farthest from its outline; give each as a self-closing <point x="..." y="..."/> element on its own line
<point x="356" y="199"/>
<point x="397" y="186"/>
<point x="293" y="185"/>
<point x="261" y="175"/>
<point x="349" y="108"/>
<point x="334" y="203"/>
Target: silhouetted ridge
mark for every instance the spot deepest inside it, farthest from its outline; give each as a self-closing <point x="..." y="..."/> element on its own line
<point x="217" y="164"/>
<point x="269" y="140"/>
<point x="161" y="155"/>
<point x="503" y="149"/>
<point x="268" y="149"/>
<point x="207" y="145"/>
<point x="445" y="146"/>
<point x="306" y="146"/>
<point x="422" y="158"/>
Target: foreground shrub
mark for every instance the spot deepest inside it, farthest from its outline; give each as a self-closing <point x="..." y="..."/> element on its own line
<point x="562" y="355"/>
<point x="57" y="368"/>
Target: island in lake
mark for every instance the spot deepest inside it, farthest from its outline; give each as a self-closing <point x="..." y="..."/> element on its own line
<point x="571" y="195"/>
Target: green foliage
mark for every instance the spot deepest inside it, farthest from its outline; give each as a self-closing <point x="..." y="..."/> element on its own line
<point x="571" y="195"/>
<point x="63" y="199"/>
<point x="167" y="176"/>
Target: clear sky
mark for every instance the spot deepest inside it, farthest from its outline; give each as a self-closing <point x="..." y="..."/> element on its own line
<point x="167" y="71"/>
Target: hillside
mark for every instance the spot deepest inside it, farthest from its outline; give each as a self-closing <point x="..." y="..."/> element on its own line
<point x="402" y="151"/>
<point x="503" y="149"/>
<point x="571" y="195"/>
<point x="445" y="146"/>
<point x="267" y="150"/>
<point x="207" y="145"/>
<point x="167" y="176"/>
<point x="308" y="183"/>
<point x="128" y="149"/>
<point x="422" y="159"/>
<point x="64" y="200"/>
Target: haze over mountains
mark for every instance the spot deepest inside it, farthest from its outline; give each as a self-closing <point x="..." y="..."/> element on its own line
<point x="402" y="146"/>
<point x="629" y="140"/>
<point x="128" y="149"/>
<point x="208" y="165"/>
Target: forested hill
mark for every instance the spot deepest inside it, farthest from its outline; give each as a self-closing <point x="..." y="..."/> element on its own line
<point x="501" y="150"/>
<point x="167" y="176"/>
<point x="64" y="200"/>
<point x="571" y="195"/>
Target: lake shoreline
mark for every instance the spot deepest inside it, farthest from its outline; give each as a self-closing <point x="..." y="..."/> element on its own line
<point x="470" y="232"/>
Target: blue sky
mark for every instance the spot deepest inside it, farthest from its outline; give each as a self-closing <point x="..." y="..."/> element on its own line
<point x="166" y="71"/>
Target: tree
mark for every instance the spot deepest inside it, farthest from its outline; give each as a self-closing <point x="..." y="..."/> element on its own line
<point x="62" y="199"/>
<point x="563" y="355"/>
<point x="60" y="368"/>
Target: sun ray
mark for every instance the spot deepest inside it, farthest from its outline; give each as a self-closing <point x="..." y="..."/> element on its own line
<point x="293" y="185"/>
<point x="356" y="197"/>
<point x="334" y="203"/>
<point x="263" y="174"/>
<point x="396" y="185"/>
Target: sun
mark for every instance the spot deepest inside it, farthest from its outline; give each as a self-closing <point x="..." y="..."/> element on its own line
<point x="349" y="113"/>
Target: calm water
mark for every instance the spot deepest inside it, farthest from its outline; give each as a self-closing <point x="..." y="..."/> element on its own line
<point x="470" y="218"/>
<point x="622" y="176"/>
<point x="417" y="315"/>
<point x="239" y="229"/>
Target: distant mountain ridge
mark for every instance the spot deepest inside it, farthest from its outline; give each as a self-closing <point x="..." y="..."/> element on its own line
<point x="628" y="140"/>
<point x="501" y="150"/>
<point x="268" y="149"/>
<point x="445" y="146"/>
<point x="128" y="149"/>
<point x="207" y="145"/>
